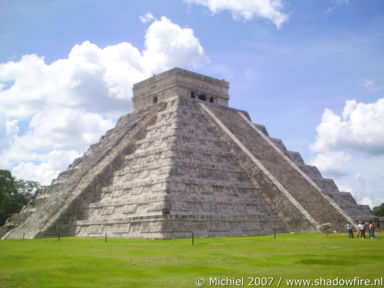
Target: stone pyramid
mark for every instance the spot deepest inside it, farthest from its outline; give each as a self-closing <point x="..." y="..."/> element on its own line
<point x="184" y="161"/>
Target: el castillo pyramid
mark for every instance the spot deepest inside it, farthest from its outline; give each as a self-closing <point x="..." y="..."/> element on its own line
<point x="184" y="161"/>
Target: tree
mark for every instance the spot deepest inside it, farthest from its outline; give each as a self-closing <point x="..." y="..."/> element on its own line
<point x="7" y="188"/>
<point x="379" y="210"/>
<point x="28" y="188"/>
<point x="14" y="194"/>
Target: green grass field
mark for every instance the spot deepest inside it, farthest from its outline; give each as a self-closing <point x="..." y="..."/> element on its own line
<point x="79" y="262"/>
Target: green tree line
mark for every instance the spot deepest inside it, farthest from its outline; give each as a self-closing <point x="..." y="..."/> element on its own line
<point x="14" y="194"/>
<point x="379" y="210"/>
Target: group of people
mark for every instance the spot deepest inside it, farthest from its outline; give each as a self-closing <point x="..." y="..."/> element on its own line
<point x="362" y="228"/>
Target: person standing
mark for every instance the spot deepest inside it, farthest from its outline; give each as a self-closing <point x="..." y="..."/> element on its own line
<point x="364" y="229"/>
<point x="371" y="230"/>
<point x="361" y="229"/>
<point x="350" y="230"/>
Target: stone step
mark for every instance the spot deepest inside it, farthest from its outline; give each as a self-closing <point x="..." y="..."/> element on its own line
<point x="180" y="226"/>
<point x="174" y="180"/>
<point x="316" y="204"/>
<point x="176" y="135"/>
<point x="123" y="201"/>
<point x="327" y="185"/>
<point x="279" y="144"/>
<point x="311" y="171"/>
<point x="177" y="163"/>
<point x="226" y="204"/>
<point x="179" y="152"/>
<point x="262" y="129"/>
<point x="296" y="157"/>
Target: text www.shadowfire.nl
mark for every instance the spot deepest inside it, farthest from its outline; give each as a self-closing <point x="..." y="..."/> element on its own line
<point x="292" y="282"/>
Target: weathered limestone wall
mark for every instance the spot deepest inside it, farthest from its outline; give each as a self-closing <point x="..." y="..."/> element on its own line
<point x="133" y="203"/>
<point x="179" y="82"/>
<point x="291" y="216"/>
<point x="62" y="202"/>
<point x="313" y="201"/>
<point x="328" y="186"/>
<point x="208" y="189"/>
<point x="181" y="178"/>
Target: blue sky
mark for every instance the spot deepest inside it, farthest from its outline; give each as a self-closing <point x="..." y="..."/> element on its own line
<point x="311" y="71"/>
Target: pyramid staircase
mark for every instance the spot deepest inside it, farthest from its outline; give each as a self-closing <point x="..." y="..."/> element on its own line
<point x="179" y="163"/>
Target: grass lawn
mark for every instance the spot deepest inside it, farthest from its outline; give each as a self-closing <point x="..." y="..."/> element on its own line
<point x="80" y="262"/>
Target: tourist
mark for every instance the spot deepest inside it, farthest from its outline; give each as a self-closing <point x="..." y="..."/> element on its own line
<point x="358" y="231"/>
<point x="365" y="224"/>
<point x="350" y="230"/>
<point x="361" y="229"/>
<point x="371" y="230"/>
<point x="366" y="228"/>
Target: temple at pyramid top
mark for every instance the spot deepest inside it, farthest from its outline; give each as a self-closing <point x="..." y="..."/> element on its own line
<point x="179" y="82"/>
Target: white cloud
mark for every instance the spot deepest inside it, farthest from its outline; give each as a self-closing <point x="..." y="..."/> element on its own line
<point x="147" y="17"/>
<point x="51" y="113"/>
<point x="9" y="129"/>
<point x="248" y="9"/>
<point x="169" y="45"/>
<point x="350" y="148"/>
<point x="332" y="163"/>
<point x="48" y="166"/>
<point x="347" y="188"/>
<point x="360" y="128"/>
<point x="82" y="128"/>
<point x="367" y="201"/>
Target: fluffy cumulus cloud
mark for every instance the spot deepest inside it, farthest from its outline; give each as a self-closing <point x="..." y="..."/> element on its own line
<point x="51" y="112"/>
<point x="332" y="162"/>
<point x="169" y="45"/>
<point x="350" y="148"/>
<point x="360" y="127"/>
<point x="248" y="9"/>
